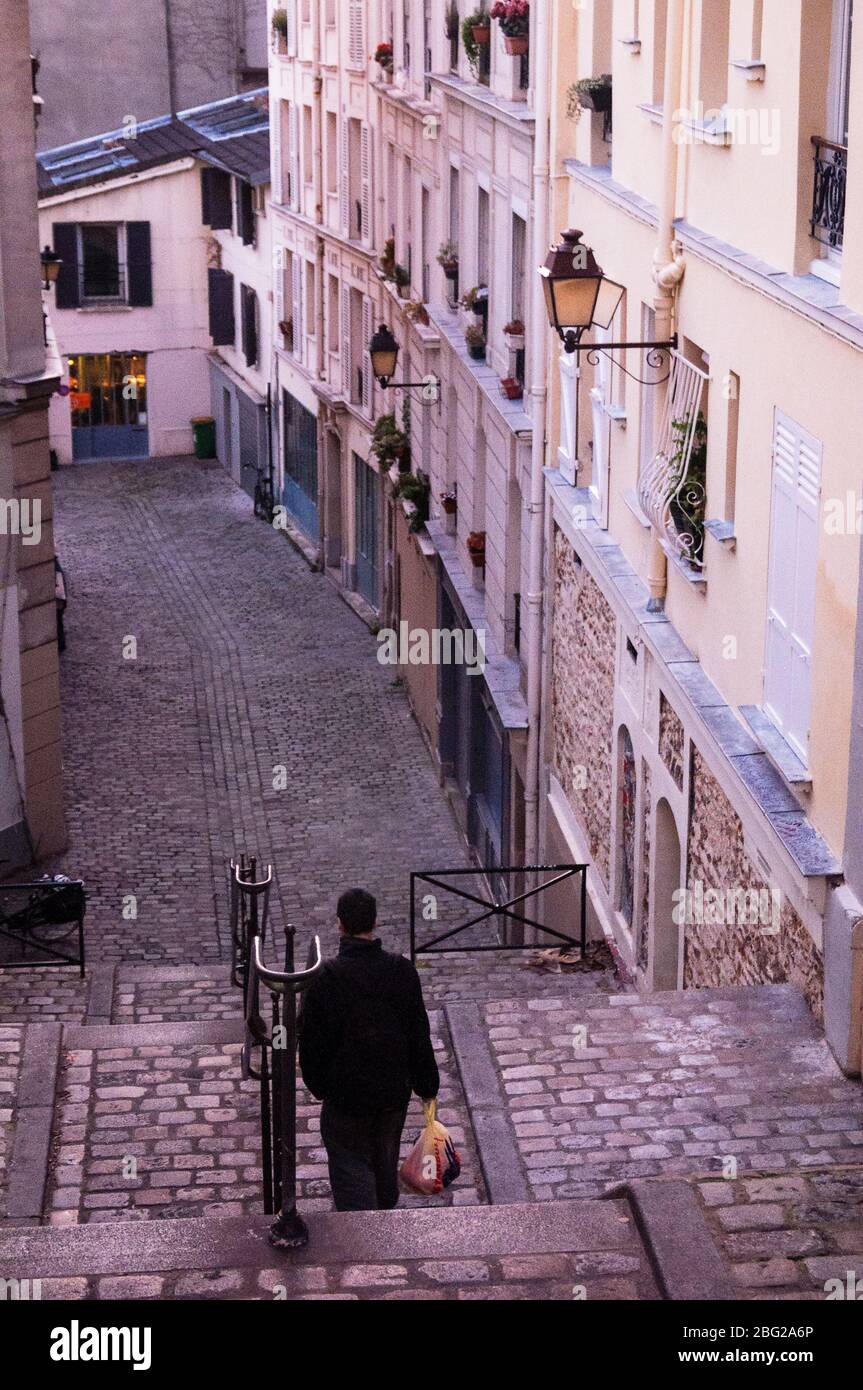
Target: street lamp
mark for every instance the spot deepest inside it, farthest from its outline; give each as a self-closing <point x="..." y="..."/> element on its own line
<point x="384" y="353"/>
<point x="51" y="264"/>
<point x="578" y="296"/>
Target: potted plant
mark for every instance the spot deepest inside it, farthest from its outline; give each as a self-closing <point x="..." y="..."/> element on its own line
<point x="387" y="259"/>
<point x="512" y="388"/>
<point x="590" y="94"/>
<point x="402" y="280"/>
<point x="476" y="547"/>
<point x="383" y="56"/>
<point x="449" y="502"/>
<point x="475" y="34"/>
<point x="513" y="334"/>
<point x="476" y="300"/>
<point x="513" y="16"/>
<point x="687" y="495"/>
<point x="280" y="29"/>
<point x="286" y="328"/>
<point x="447" y="258"/>
<point x="475" y="339"/>
<point x="416" y="311"/>
<point x="450" y="21"/>
<point x="390" y="445"/>
<point x="414" y="489"/>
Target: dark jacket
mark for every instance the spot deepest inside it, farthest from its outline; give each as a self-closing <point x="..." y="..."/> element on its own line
<point x="364" y="1032"/>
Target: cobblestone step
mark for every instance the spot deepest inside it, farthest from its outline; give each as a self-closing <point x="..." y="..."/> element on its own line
<point x="573" y="1250"/>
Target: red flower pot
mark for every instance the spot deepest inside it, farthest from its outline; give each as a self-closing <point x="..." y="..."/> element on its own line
<point x="481" y="33"/>
<point x="516" y="44"/>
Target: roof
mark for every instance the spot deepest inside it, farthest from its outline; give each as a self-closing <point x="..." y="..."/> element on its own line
<point x="232" y="134"/>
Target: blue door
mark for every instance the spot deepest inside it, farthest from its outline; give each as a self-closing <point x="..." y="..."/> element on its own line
<point x="108" y="396"/>
<point x="367" y="486"/>
<point x="300" y="492"/>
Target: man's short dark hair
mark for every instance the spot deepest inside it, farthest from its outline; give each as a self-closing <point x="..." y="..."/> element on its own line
<point x="357" y="911"/>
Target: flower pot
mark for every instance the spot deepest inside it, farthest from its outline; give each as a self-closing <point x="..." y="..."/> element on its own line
<point x="450" y="269"/>
<point x="475" y="351"/>
<point x="516" y="44"/>
<point x="512" y="389"/>
<point x="449" y="505"/>
<point x="514" y="341"/>
<point x="477" y="558"/>
<point x="597" y="100"/>
<point x="481" y="33"/>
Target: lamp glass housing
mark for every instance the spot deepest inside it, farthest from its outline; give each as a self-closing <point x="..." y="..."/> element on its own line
<point x="384" y="352"/>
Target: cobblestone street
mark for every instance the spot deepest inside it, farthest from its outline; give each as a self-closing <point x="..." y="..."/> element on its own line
<point x="123" y="1116"/>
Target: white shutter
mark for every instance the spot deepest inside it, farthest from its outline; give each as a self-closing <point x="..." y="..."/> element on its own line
<point x="276" y="139"/>
<point x="366" y="184"/>
<point x="291" y="8"/>
<point x="345" y="336"/>
<point x="791" y="586"/>
<point x="294" y="154"/>
<point x="567" y="454"/>
<point x="356" y="38"/>
<point x="599" y="398"/>
<point x="344" y="177"/>
<point x="297" y="303"/>
<point x="367" y="364"/>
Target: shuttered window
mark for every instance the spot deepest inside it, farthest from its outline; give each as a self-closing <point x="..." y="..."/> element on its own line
<point x="93" y="269"/>
<point x="245" y="213"/>
<point x="356" y="40"/>
<point x="249" y="312"/>
<point x="791" y="589"/>
<point x="220" y="289"/>
<point x="65" y="243"/>
<point x="216" y="210"/>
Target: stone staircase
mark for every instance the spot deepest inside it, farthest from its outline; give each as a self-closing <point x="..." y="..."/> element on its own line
<point x="130" y="1147"/>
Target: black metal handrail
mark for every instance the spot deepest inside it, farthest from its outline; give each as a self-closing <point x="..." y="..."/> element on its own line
<point x="495" y="908"/>
<point x="48" y="928"/>
<point x="276" y="1044"/>
<point x="828" y="192"/>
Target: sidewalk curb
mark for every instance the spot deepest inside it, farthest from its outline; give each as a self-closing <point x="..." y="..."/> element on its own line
<point x="34" y="1118"/>
<point x="677" y="1240"/>
<point x="486" y="1105"/>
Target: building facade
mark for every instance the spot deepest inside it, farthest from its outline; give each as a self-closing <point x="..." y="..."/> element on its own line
<point x="143" y="219"/>
<point x="32" y="822"/>
<point x="703" y="530"/>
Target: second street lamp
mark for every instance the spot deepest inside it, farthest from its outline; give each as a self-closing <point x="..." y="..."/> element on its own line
<point x="51" y="264"/>
<point x="384" y="353"/>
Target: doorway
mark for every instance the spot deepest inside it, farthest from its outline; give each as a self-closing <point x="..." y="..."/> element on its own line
<point x="668" y="931"/>
<point x="108" y="397"/>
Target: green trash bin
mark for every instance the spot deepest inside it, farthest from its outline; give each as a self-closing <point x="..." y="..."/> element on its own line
<point x="204" y="432"/>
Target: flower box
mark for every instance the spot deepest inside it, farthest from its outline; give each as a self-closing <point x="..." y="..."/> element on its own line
<point x="512" y="388"/>
<point x="514" y="341"/>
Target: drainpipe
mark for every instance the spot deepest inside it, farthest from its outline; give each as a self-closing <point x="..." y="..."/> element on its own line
<point x="668" y="264"/>
<point x="539" y="391"/>
<point x="318" y="143"/>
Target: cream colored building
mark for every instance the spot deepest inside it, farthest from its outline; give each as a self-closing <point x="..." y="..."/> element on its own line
<point x="32" y="822"/>
<point x="700" y="726"/>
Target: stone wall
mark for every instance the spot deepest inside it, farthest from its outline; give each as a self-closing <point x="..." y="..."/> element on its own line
<point x="583" y="648"/>
<point x="671" y="740"/>
<point x="733" y="953"/>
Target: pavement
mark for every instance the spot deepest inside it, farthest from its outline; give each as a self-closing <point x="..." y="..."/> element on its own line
<point x="220" y="698"/>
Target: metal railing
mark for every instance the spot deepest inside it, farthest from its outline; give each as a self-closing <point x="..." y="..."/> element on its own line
<point x="828" y="192"/>
<point x="274" y="1047"/>
<point x="47" y="927"/>
<point x="494" y="907"/>
<point x="670" y="490"/>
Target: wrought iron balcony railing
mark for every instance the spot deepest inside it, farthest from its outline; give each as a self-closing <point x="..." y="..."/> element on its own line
<point x="828" y="192"/>
<point x="671" y="489"/>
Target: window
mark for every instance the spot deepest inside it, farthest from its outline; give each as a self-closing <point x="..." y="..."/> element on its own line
<point x="482" y="236"/>
<point x="454" y="205"/>
<point x="310" y="298"/>
<point x="795" y="507"/>
<point x="249" y="320"/>
<point x="245" y="212"/>
<point x="660" y="22"/>
<point x="453" y="30"/>
<point x="427" y="51"/>
<point x="332" y="152"/>
<point x="332" y="313"/>
<point x="216" y="205"/>
<point x="714" y="54"/>
<point x="840" y="71"/>
<point x="103" y="263"/>
<point x="519" y="243"/>
<point x="307" y="145"/>
<point x="406" y="35"/>
<point x="354" y="174"/>
<point x="220" y="293"/>
<point x="426" y="233"/>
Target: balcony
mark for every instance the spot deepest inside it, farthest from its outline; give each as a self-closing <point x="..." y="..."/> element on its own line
<point x="671" y="490"/>
<point x="828" y="192"/>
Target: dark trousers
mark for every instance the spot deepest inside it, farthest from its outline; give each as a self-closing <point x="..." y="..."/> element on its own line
<point x="363" y="1157"/>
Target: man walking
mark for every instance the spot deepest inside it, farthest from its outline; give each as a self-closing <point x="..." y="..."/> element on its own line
<point x="365" y="1044"/>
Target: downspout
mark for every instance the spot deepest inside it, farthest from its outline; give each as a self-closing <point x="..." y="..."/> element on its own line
<point x="668" y="263"/>
<point x="539" y="392"/>
<point x="318" y="144"/>
<point x="169" y="54"/>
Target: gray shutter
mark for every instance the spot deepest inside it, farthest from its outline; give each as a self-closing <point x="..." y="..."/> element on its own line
<point x="246" y="213"/>
<point x="216" y="199"/>
<point x="139" y="269"/>
<point x="249" y="301"/>
<point x="220" y="287"/>
<point x="65" y="239"/>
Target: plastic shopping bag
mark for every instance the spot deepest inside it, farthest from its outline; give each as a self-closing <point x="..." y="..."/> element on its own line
<point x="433" y="1162"/>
